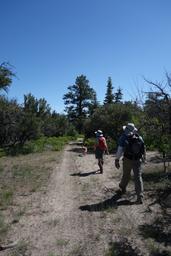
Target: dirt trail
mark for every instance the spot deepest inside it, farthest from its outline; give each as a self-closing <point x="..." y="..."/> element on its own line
<point x="78" y="215"/>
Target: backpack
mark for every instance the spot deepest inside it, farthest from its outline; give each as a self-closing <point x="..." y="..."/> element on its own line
<point x="134" y="147"/>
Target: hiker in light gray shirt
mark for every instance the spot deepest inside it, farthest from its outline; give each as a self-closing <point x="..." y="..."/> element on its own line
<point x="131" y="147"/>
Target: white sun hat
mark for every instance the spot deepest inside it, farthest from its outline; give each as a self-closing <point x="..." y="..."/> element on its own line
<point x="130" y="128"/>
<point x="99" y="133"/>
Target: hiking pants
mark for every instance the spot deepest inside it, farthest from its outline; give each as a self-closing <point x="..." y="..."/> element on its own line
<point x="134" y="165"/>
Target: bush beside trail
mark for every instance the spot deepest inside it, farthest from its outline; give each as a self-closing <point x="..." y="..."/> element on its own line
<point x="39" y="145"/>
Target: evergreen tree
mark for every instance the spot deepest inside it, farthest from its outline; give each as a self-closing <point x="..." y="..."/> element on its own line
<point x="30" y="104"/>
<point x="77" y="101"/>
<point x="109" y="98"/>
<point x="94" y="104"/>
<point x="44" y="109"/>
<point x="6" y="75"/>
<point x="118" y="95"/>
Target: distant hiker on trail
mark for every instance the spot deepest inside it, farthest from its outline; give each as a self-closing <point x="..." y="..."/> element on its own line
<point x="132" y="147"/>
<point x="100" y="148"/>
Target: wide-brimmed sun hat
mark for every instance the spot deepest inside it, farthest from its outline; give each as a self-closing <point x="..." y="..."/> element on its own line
<point x="99" y="133"/>
<point x="130" y="128"/>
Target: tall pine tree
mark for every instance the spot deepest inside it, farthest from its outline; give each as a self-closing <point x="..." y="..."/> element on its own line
<point x="77" y="101"/>
<point x="94" y="104"/>
<point x="118" y="95"/>
<point x="109" y="97"/>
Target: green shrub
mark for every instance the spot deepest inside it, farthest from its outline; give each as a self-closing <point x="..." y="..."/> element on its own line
<point x="150" y="143"/>
<point x="40" y="145"/>
<point x="112" y="145"/>
<point x="89" y="143"/>
<point x="5" y="197"/>
<point x="2" y="152"/>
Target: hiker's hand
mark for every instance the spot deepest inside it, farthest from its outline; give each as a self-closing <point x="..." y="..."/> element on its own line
<point x="107" y="152"/>
<point x="117" y="165"/>
<point x="144" y="160"/>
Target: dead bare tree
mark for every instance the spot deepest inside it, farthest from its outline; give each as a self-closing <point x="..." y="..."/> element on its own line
<point x="159" y="102"/>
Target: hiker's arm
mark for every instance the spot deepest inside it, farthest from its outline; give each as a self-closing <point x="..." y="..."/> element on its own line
<point x="144" y="155"/>
<point x="107" y="150"/>
<point x="143" y="151"/>
<point x="120" y="150"/>
<point x="121" y="145"/>
<point x="119" y="153"/>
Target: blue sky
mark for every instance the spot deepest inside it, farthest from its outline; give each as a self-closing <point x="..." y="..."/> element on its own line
<point x="51" y="42"/>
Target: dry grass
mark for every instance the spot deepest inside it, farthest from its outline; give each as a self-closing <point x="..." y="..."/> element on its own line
<point x="22" y="176"/>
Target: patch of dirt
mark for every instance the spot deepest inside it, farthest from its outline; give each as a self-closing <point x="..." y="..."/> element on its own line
<point x="80" y="214"/>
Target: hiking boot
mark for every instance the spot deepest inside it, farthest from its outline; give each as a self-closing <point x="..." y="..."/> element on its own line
<point x="121" y="191"/>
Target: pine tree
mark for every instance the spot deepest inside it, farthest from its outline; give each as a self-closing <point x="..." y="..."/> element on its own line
<point x="6" y="75"/>
<point x="94" y="104"/>
<point x="77" y="101"/>
<point x="109" y="98"/>
<point x="118" y="95"/>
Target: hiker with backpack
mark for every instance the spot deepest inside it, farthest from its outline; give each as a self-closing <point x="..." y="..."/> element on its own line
<point x="100" y="148"/>
<point x="131" y="147"/>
